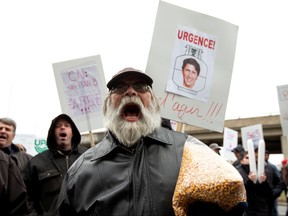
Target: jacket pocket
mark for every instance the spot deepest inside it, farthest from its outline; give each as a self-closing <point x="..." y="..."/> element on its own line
<point x="48" y="174"/>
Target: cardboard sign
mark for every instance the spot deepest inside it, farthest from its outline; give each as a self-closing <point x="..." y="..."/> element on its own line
<point x="253" y="132"/>
<point x="181" y="34"/>
<point x="82" y="87"/>
<point x="283" y="105"/>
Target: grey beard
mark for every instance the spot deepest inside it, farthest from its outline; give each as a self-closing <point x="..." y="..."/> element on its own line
<point x="129" y="133"/>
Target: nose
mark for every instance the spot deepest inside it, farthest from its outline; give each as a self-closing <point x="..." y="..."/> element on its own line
<point x="130" y="91"/>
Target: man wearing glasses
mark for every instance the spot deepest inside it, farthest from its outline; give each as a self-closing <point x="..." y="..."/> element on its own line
<point x="134" y="170"/>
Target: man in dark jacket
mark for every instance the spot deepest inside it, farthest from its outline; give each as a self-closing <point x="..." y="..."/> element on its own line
<point x="260" y="194"/>
<point x="46" y="170"/>
<point x="134" y="170"/>
<point x="7" y="134"/>
<point x="13" y="197"/>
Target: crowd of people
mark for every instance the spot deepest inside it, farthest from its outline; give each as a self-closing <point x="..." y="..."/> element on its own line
<point x="132" y="171"/>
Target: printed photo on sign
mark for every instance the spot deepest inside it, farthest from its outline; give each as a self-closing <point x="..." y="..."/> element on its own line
<point x="192" y="64"/>
<point x="208" y="44"/>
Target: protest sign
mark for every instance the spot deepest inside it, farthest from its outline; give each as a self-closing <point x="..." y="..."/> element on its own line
<point x="283" y="105"/>
<point x="181" y="34"/>
<point x="81" y="87"/>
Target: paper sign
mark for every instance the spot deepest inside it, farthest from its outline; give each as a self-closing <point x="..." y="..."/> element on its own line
<point x="82" y="87"/>
<point x="181" y="34"/>
<point x="283" y="105"/>
<point x="230" y="139"/>
<point x="33" y="145"/>
<point x="253" y="132"/>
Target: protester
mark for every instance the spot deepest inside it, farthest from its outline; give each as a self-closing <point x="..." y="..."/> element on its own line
<point x="284" y="174"/>
<point x="260" y="194"/>
<point x="46" y="170"/>
<point x="13" y="197"/>
<point x="7" y="134"/>
<point x="215" y="147"/>
<point x="239" y="153"/>
<point x="134" y="169"/>
<point x="277" y="172"/>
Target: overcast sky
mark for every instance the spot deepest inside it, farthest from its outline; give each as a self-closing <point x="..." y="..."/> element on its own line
<point x="36" y="34"/>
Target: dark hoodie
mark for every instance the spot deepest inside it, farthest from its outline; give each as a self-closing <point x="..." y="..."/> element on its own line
<point x="47" y="169"/>
<point x="51" y="142"/>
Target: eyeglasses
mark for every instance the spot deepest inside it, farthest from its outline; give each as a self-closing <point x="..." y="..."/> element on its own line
<point x="122" y="87"/>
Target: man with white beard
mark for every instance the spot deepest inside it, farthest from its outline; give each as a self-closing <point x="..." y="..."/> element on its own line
<point x="134" y="169"/>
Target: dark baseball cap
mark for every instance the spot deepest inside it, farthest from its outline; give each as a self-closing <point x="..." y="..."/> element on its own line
<point x="238" y="148"/>
<point x="124" y="73"/>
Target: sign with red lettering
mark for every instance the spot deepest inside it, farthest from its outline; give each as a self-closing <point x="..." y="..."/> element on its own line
<point x="253" y="132"/>
<point x="283" y="105"/>
<point x="82" y="87"/>
<point x="230" y="141"/>
<point x="191" y="61"/>
<point x="192" y="64"/>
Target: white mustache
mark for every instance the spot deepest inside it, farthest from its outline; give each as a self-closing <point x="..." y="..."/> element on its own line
<point x="129" y="133"/>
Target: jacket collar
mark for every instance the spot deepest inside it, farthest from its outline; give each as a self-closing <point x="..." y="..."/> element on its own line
<point x="109" y="142"/>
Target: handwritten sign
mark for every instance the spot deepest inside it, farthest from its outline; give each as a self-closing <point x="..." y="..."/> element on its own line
<point x="230" y="138"/>
<point x="230" y="141"/>
<point x="253" y="132"/>
<point x="283" y="105"/>
<point x="186" y="34"/>
<point x="82" y="88"/>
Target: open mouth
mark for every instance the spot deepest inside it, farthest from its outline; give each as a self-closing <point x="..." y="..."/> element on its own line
<point x="131" y="112"/>
<point x="63" y="135"/>
<point x="2" y="137"/>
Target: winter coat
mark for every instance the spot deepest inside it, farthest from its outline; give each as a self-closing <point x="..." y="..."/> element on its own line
<point x="260" y="196"/>
<point x="110" y="179"/>
<point x="47" y="169"/>
<point x="13" y="197"/>
<point x="20" y="158"/>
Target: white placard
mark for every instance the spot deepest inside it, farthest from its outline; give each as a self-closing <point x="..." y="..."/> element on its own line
<point x="251" y="154"/>
<point x="230" y="140"/>
<point x="180" y="33"/>
<point x="27" y="140"/>
<point x="82" y="87"/>
<point x="253" y="132"/>
<point x="283" y="105"/>
<point x="261" y="159"/>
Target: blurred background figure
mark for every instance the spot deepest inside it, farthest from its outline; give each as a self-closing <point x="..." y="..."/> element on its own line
<point x="13" y="196"/>
<point x="284" y="173"/>
<point x="166" y="123"/>
<point x="239" y="152"/>
<point x="215" y="147"/>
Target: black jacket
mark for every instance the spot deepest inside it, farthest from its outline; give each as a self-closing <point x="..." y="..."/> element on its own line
<point x="47" y="169"/>
<point x="20" y="158"/>
<point x="260" y="196"/>
<point x="109" y="179"/>
<point x="13" y="197"/>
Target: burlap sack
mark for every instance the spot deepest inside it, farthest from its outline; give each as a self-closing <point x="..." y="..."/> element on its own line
<point x="206" y="176"/>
